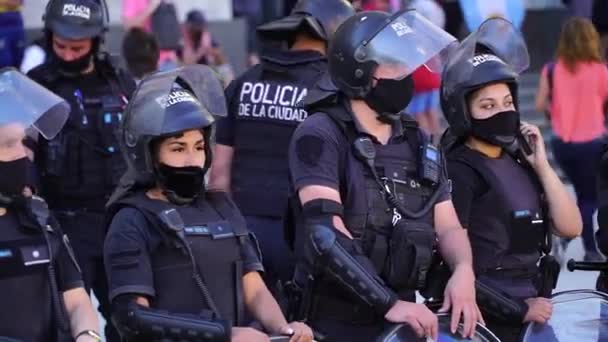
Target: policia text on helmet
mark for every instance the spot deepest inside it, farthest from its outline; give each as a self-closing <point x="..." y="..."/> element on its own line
<point x="74" y="31"/>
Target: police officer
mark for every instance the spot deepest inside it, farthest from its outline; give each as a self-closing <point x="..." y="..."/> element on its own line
<point x="181" y="263"/>
<point x="502" y="180"/>
<point x="264" y="108"/>
<point x="373" y="193"/>
<point x="41" y="288"/>
<point x="80" y="167"/>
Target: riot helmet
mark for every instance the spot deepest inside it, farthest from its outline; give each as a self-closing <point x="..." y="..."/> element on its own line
<point x="76" y="19"/>
<point x="166" y="104"/>
<point x="401" y="42"/>
<point x="495" y="53"/>
<point x="320" y="18"/>
<point x="28" y="111"/>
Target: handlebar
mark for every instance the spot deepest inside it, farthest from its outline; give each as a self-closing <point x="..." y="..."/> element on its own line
<point x="587" y="266"/>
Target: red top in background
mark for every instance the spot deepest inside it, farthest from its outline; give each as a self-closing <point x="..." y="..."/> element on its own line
<point x="425" y="80"/>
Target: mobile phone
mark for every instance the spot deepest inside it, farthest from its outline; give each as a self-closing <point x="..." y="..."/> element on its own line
<point x="524" y="144"/>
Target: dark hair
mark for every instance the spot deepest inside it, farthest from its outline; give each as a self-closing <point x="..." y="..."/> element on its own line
<point x="141" y="52"/>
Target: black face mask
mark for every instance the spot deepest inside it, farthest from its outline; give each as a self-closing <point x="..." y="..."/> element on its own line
<point x="501" y="129"/>
<point x="75" y="67"/>
<point x="181" y="184"/>
<point x="389" y="97"/>
<point x="15" y="175"/>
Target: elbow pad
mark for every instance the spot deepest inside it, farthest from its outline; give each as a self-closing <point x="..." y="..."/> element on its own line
<point x="498" y="304"/>
<point x="321" y="211"/>
<point x="138" y="322"/>
<point x="326" y="253"/>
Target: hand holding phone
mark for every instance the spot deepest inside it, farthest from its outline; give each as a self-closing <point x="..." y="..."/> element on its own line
<point x="533" y="145"/>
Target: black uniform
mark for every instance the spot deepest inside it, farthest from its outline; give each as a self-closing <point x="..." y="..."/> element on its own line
<point x="146" y="257"/>
<point x="29" y="309"/>
<point x="500" y="201"/>
<point x="80" y="167"/>
<point x="322" y="154"/>
<point x="264" y="109"/>
<point x="387" y="190"/>
<point x="187" y="253"/>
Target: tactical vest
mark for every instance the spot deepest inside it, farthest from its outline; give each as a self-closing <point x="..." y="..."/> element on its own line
<point x="400" y="247"/>
<point x="82" y="165"/>
<point x="24" y="269"/>
<point x="215" y="232"/>
<point x="269" y="110"/>
<point x="506" y="226"/>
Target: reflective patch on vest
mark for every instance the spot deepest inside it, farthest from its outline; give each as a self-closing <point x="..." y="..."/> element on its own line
<point x="35" y="255"/>
<point x="6" y="253"/>
<point x="217" y="230"/>
<point x="261" y="100"/>
<point x="309" y="148"/>
<point x="196" y="230"/>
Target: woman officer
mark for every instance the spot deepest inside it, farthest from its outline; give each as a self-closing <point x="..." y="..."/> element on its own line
<point x="180" y="260"/>
<point x="501" y="178"/>
<point x="41" y="288"/>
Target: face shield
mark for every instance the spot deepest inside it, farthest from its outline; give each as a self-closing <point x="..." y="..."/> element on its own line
<point x="496" y="40"/>
<point x="30" y="106"/>
<point x="405" y="43"/>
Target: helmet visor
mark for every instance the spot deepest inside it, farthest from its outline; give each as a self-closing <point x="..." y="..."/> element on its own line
<point x="405" y="43"/>
<point x="496" y="40"/>
<point x="28" y="104"/>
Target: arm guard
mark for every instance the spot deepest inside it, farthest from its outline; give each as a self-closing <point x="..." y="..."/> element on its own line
<point x="498" y="304"/>
<point x="138" y="322"/>
<point x="326" y="252"/>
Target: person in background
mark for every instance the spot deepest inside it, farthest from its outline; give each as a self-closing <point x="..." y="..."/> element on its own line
<point x="251" y="153"/>
<point x="12" y="33"/>
<point x="201" y="48"/>
<point x="251" y="11"/>
<point x="141" y="53"/>
<point x="138" y="13"/>
<point x="34" y="55"/>
<point x="198" y="41"/>
<point x="573" y="90"/>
